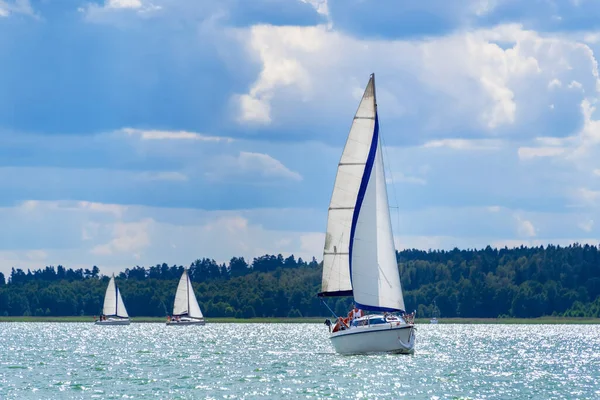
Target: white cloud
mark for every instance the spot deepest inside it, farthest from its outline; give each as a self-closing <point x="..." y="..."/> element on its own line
<point x="254" y="108"/>
<point x="525" y="227"/>
<point x="115" y="209"/>
<point x="575" y="85"/>
<point x="173" y="135"/>
<point x="581" y="149"/>
<point x="527" y="153"/>
<point x="173" y="176"/>
<point x="97" y="13"/>
<point x="128" y="238"/>
<point x="465" y="144"/>
<point x="319" y="5"/>
<point x="464" y="80"/>
<point x="123" y="4"/>
<point x="90" y="234"/>
<point x="399" y="177"/>
<point x="249" y="164"/>
<point x="587" y="196"/>
<point x="8" y="7"/>
<point x="554" y="83"/>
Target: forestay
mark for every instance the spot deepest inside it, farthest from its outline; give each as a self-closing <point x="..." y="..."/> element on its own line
<point x="336" y="261"/>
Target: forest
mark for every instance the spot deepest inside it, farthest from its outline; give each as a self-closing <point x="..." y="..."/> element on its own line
<point x="521" y="282"/>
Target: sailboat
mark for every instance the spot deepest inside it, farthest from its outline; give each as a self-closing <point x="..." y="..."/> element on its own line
<point x="114" y="311"/>
<point x="359" y="257"/>
<point x="436" y="314"/>
<point x="186" y="310"/>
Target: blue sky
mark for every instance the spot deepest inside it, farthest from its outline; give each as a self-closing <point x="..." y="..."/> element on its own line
<point x="134" y="132"/>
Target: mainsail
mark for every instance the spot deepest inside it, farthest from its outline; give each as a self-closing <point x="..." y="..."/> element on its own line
<point x="359" y="258"/>
<point x="336" y="260"/>
<point x="185" y="299"/>
<point x="113" y="302"/>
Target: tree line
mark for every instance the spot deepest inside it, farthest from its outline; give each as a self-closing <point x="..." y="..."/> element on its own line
<point x="486" y="283"/>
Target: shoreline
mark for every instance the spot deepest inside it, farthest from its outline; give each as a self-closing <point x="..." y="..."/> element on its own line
<point x="321" y="320"/>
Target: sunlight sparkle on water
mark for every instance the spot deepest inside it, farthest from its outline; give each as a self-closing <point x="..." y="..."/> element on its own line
<point x="245" y="361"/>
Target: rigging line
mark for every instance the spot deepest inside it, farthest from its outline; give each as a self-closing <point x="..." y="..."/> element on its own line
<point x="397" y="204"/>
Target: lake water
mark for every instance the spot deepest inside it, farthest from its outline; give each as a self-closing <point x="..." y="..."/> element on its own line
<point x="247" y="361"/>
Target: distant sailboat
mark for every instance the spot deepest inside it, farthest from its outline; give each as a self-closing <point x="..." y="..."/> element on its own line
<point x="436" y="314"/>
<point x="114" y="311"/>
<point x="186" y="310"/>
<point x="359" y="258"/>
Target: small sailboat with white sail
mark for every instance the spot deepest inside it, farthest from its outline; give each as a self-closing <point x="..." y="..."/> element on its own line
<point x="436" y="314"/>
<point x="114" y="311"/>
<point x="359" y="257"/>
<point x="186" y="310"/>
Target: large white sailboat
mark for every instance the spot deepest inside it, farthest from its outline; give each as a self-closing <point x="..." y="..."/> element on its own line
<point x="186" y="310"/>
<point x="114" y="311"/>
<point x="359" y="258"/>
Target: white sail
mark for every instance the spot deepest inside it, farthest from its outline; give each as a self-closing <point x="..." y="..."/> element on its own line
<point x="185" y="299"/>
<point x="336" y="273"/>
<point x="374" y="268"/>
<point x="194" y="310"/>
<point x="110" y="298"/>
<point x="121" y="310"/>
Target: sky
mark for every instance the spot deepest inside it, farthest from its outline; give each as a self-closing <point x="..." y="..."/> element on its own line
<point x="137" y="132"/>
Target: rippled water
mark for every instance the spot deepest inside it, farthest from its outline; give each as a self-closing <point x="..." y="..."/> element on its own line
<point x="244" y="361"/>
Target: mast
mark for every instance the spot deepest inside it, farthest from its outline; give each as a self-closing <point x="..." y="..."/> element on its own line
<point x="116" y="296"/>
<point x="187" y="287"/>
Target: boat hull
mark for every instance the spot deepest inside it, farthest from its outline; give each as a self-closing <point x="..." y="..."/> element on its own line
<point x="186" y="322"/>
<point x="111" y="321"/>
<point x="390" y="338"/>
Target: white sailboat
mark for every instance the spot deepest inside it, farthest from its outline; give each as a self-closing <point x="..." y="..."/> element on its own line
<point x="186" y="310"/>
<point x="114" y="311"/>
<point x="436" y="313"/>
<point x="359" y="258"/>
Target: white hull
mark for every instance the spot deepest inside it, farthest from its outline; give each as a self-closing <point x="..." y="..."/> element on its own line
<point x="113" y="321"/>
<point x="186" y="322"/>
<point x="385" y="338"/>
<point x="434" y="321"/>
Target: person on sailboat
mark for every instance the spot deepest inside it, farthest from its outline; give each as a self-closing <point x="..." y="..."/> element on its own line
<point x="353" y="314"/>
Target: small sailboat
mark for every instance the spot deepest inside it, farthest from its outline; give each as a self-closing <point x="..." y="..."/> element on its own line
<point x="436" y="314"/>
<point x="186" y="310"/>
<point x="114" y="311"/>
<point x="359" y="257"/>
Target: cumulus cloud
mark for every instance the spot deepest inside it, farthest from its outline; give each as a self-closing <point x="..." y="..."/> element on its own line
<point x="482" y="80"/>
